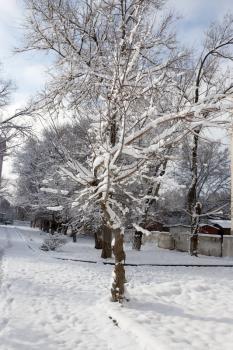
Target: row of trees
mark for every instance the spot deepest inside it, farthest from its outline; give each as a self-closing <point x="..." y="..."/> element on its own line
<point x="38" y="163"/>
<point x="122" y="98"/>
<point x="11" y="124"/>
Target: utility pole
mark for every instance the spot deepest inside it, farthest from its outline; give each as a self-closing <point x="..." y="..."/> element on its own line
<point x="231" y="148"/>
<point x="2" y="153"/>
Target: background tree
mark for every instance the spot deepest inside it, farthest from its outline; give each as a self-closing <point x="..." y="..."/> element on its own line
<point x="213" y="181"/>
<point x="208" y="79"/>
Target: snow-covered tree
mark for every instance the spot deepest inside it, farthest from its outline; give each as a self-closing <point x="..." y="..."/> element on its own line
<point x="213" y="181"/>
<point x="37" y="164"/>
<point x="114" y="62"/>
<point x="33" y="165"/>
<point x="10" y="123"/>
<point x="213" y="172"/>
<point x="209" y="76"/>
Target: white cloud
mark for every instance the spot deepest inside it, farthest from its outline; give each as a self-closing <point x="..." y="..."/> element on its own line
<point x="195" y="9"/>
<point x="10" y="8"/>
<point x="187" y="8"/>
<point x="197" y="16"/>
<point x="29" y="77"/>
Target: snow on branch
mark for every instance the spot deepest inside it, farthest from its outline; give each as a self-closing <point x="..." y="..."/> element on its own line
<point x="57" y="208"/>
<point x="53" y="190"/>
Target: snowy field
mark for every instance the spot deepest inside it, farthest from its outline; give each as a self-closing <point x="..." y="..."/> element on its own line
<point x="50" y="304"/>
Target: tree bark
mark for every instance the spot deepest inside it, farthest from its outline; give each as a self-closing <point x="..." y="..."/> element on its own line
<point x="137" y="240"/>
<point x="74" y="235"/>
<point x="98" y="240"/>
<point x="192" y="192"/>
<point x="232" y="181"/>
<point x="64" y="229"/>
<point x="154" y="190"/>
<point x="194" y="229"/>
<point x="194" y="245"/>
<point x="106" y="242"/>
<point x="118" y="289"/>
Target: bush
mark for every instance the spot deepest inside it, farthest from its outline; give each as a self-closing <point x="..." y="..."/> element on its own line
<point x="53" y="242"/>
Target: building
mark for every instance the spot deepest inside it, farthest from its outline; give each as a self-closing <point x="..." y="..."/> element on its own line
<point x="223" y="225"/>
<point x="209" y="229"/>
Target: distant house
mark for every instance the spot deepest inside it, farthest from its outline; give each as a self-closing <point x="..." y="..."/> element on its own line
<point x="223" y="225"/>
<point x="216" y="227"/>
<point x="209" y="229"/>
<point x="154" y="226"/>
<point x="6" y="210"/>
<point x="213" y="227"/>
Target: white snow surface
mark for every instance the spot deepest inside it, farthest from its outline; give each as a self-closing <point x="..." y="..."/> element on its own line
<point x="57" y="208"/>
<point x="50" y="304"/>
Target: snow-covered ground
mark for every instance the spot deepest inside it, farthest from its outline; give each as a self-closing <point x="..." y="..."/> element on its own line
<point x="49" y="304"/>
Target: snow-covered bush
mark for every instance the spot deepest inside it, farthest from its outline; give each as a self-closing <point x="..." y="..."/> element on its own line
<point x="53" y="242"/>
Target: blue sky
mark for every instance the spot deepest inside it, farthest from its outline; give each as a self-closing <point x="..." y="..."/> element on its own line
<point x="26" y="70"/>
<point x="197" y="16"/>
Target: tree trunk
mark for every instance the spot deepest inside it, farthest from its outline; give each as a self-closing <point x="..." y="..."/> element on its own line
<point x="98" y="240"/>
<point x="53" y="227"/>
<point x="64" y="229"/>
<point x="74" y="235"/>
<point x="194" y="245"/>
<point x="192" y="192"/>
<point x="194" y="229"/>
<point x="106" y="242"/>
<point x="46" y="225"/>
<point x="137" y="240"/>
<point x="118" y="288"/>
<point x="232" y="181"/>
<point x="153" y="190"/>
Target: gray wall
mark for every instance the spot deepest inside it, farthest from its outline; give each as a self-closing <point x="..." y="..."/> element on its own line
<point x="210" y="245"/>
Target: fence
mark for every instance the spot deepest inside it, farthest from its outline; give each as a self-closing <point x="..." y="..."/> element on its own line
<point x="210" y="245"/>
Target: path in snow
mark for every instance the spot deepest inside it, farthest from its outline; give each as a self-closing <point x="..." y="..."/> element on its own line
<point x="1" y="270"/>
<point x="5" y="244"/>
<point x="49" y="304"/>
<point x="2" y="245"/>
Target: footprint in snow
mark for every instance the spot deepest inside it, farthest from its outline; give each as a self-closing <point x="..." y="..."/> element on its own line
<point x="114" y="321"/>
<point x="4" y="322"/>
<point x="10" y="300"/>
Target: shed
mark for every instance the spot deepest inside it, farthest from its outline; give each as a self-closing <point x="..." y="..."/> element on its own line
<point x="209" y="229"/>
<point x="223" y="225"/>
<point x="154" y="226"/>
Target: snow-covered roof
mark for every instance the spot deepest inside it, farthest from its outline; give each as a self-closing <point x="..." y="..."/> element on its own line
<point x="222" y="223"/>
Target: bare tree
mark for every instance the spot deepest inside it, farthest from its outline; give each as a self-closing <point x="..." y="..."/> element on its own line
<point x="218" y="46"/>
